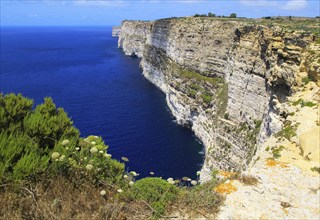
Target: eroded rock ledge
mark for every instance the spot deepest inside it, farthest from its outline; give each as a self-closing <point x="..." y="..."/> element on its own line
<point x="223" y="79"/>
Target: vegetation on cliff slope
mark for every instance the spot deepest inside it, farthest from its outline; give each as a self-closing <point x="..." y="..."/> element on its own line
<point x="47" y="171"/>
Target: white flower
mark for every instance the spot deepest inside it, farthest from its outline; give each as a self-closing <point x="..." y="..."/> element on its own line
<point x="193" y="182"/>
<point x="67" y="148"/>
<point x="62" y="157"/>
<point x="151" y="173"/>
<point x="103" y="192"/>
<point x="119" y="190"/>
<point x="94" y="150"/>
<point x="93" y="143"/>
<point x="131" y="183"/>
<point x="77" y="148"/>
<point x="125" y="177"/>
<point x="101" y="151"/>
<point x="107" y="155"/>
<point x="89" y="167"/>
<point x="133" y="173"/>
<point x="65" y="142"/>
<point x="85" y="158"/>
<point x="55" y="155"/>
<point x="198" y="173"/>
<point x="170" y="179"/>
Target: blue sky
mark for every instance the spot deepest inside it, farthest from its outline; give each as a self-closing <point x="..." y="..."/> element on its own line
<point x="111" y="12"/>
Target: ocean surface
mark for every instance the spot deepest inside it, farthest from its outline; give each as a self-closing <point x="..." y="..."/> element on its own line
<point x="103" y="92"/>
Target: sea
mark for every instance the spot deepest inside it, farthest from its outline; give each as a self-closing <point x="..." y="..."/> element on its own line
<point x="103" y="91"/>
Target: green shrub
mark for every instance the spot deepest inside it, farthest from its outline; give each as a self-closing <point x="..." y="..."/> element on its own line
<point x="47" y="125"/>
<point x="202" y="197"/>
<point x="287" y="132"/>
<point x="206" y="98"/>
<point x="306" y="80"/>
<point x="276" y="151"/>
<point x="31" y="136"/>
<point x="295" y="103"/>
<point x="155" y="191"/>
<point x="316" y="169"/>
<point x="308" y="104"/>
<point x="20" y="156"/>
<point x="13" y="109"/>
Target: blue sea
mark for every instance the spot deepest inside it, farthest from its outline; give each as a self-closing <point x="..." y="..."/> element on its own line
<point x="103" y="92"/>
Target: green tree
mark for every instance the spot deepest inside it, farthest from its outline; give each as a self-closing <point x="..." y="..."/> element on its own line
<point x="211" y="14"/>
<point x="233" y="15"/>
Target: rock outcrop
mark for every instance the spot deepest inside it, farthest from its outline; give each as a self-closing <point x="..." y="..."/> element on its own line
<point x="223" y="79"/>
<point x="116" y="31"/>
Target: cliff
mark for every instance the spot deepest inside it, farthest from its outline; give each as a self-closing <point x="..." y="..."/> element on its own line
<point x="250" y="92"/>
<point x="116" y="31"/>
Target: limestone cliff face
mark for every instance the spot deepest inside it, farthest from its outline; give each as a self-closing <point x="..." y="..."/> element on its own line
<point x="116" y="31"/>
<point x="223" y="79"/>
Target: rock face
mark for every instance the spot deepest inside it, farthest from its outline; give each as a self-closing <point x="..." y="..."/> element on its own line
<point x="116" y="31"/>
<point x="223" y="79"/>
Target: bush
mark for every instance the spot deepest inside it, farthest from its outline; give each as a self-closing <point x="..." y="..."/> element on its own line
<point x="13" y="109"/>
<point x="155" y="191"/>
<point x="47" y="125"/>
<point x="202" y="198"/>
<point x="315" y="169"/>
<point x="20" y="157"/>
<point x="233" y="15"/>
<point x="28" y="138"/>
<point x="287" y="132"/>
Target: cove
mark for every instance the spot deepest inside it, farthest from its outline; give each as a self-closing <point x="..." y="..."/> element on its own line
<point x="103" y="92"/>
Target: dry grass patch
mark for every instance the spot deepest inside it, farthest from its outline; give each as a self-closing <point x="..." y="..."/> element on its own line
<point x="248" y="180"/>
<point x="62" y="198"/>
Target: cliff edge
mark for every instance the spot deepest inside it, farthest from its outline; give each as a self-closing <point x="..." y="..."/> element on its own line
<point x="248" y="91"/>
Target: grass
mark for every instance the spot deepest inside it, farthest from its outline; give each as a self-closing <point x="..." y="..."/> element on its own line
<point x="189" y="74"/>
<point x="200" y="199"/>
<point x="206" y="98"/>
<point x="66" y="197"/>
<point x="248" y="180"/>
<point x="156" y="192"/>
<point x="222" y="99"/>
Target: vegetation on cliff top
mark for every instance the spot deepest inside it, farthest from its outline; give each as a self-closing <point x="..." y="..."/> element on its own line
<point x="48" y="171"/>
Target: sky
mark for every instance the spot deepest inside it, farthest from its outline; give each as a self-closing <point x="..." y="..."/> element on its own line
<point x="112" y="12"/>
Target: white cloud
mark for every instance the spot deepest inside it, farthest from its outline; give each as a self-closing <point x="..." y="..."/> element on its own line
<point x="295" y="5"/>
<point x="285" y="4"/>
